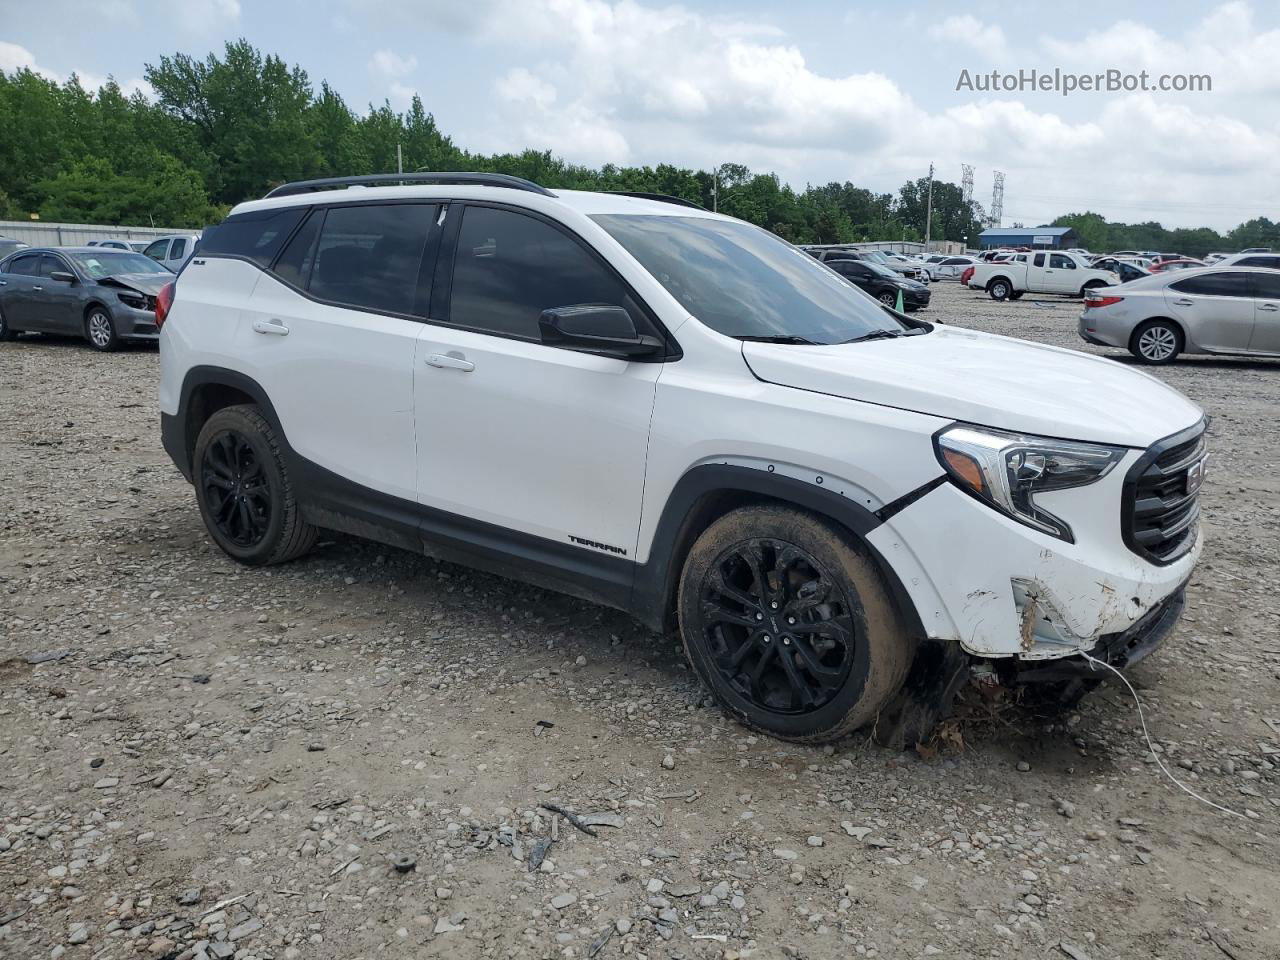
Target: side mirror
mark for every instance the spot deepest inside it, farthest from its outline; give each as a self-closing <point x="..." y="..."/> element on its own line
<point x="595" y="328"/>
<point x="62" y="276"/>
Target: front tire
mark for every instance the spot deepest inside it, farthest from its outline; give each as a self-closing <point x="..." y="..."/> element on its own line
<point x="1156" y="342"/>
<point x="100" y="330"/>
<point x="999" y="289"/>
<point x="790" y="625"/>
<point x="243" y="490"/>
<point x="888" y="299"/>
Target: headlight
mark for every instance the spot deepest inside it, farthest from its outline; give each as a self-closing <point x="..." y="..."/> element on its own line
<point x="131" y="299"/>
<point x="1007" y="470"/>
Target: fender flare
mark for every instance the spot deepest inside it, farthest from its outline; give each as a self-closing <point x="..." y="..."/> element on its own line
<point x="691" y="507"/>
<point x="176" y="429"/>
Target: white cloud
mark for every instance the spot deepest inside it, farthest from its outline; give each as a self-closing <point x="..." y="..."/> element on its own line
<point x="1226" y="44"/>
<point x="14" y="57"/>
<point x="202" y="17"/>
<point x="987" y="39"/>
<point x="393" y="69"/>
<point x="388" y="63"/>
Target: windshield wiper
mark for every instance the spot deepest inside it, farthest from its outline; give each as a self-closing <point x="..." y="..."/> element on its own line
<point x="876" y="335"/>
<point x="779" y="338"/>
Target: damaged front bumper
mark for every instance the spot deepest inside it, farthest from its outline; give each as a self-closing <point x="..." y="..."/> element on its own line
<point x="1002" y="590"/>
<point x="1120" y="650"/>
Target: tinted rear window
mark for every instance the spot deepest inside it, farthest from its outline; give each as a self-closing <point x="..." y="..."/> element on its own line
<point x="256" y="236"/>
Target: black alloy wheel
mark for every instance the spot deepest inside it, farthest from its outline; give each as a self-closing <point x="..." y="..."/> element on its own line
<point x="235" y="486"/>
<point x="779" y="627"/>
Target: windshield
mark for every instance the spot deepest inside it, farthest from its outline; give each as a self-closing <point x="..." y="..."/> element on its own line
<point x="743" y="281"/>
<point x="111" y="263"/>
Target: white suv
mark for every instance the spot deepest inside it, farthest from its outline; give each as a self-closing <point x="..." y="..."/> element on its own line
<point x="843" y="510"/>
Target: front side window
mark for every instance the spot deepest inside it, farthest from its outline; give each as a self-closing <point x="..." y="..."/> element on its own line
<point x="1266" y="286"/>
<point x="49" y="265"/>
<point x="509" y="267"/>
<point x="742" y="281"/>
<point x="157" y="249"/>
<point x="1214" y="285"/>
<point x="1059" y="261"/>
<point x="371" y="256"/>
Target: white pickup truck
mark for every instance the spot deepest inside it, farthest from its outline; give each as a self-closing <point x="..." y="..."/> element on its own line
<point x="1043" y="271"/>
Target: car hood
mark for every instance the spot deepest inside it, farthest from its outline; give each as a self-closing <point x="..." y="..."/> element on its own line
<point x="986" y="379"/>
<point x="151" y="283"/>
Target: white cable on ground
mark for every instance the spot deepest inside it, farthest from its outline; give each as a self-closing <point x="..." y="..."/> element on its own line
<point x="1152" y="747"/>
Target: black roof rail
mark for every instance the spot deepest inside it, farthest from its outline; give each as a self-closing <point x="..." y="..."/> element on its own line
<point x="660" y="197"/>
<point x="446" y="179"/>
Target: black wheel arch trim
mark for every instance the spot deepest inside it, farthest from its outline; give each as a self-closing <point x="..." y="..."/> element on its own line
<point x="683" y="519"/>
<point x="646" y="590"/>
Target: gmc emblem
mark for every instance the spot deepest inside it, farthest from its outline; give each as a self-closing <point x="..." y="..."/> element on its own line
<point x="1195" y="475"/>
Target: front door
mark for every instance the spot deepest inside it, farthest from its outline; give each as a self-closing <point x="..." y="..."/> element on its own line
<point x="1266" y="313"/>
<point x="1062" y="275"/>
<point x="534" y="439"/>
<point x="1215" y="309"/>
<point x="58" y="303"/>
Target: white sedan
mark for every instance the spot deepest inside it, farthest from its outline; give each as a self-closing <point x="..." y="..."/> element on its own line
<point x="949" y="268"/>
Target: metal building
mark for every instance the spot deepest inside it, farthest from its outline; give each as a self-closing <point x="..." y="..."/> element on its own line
<point x="1048" y="238"/>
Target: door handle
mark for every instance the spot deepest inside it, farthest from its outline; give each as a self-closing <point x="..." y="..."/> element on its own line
<point x="37" y="289"/>
<point x="1184" y="302"/>
<point x="449" y="361"/>
<point x="273" y="326"/>
<point x="1269" y="307"/>
<point x="4" y="283"/>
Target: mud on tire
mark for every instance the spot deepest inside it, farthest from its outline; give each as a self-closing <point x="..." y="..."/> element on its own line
<point x="790" y="625"/>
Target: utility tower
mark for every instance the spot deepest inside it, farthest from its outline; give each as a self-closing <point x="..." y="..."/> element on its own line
<point x="997" y="200"/>
<point x="966" y="183"/>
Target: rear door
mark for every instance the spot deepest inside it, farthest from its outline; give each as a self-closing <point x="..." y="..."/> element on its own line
<point x="330" y="332"/>
<point x="1216" y="309"/>
<point x="18" y="291"/>
<point x="1266" y="307"/>
<point x="536" y="439"/>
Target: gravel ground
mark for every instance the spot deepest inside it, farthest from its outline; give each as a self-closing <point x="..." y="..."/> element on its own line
<point x="198" y="760"/>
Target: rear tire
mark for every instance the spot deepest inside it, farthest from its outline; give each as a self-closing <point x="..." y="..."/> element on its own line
<point x="1156" y="342"/>
<point x="100" y="330"/>
<point x="7" y="335"/>
<point x="790" y="625"/>
<point x="999" y="289"/>
<point x="243" y="489"/>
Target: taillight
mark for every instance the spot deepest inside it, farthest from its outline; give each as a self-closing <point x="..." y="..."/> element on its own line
<point x="164" y="301"/>
<point x="1094" y="302"/>
<point x="968" y="272"/>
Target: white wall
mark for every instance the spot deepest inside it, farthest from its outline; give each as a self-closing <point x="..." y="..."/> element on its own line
<point x="38" y="233"/>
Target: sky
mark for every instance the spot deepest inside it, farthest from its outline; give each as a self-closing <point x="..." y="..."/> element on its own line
<point x="858" y="91"/>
